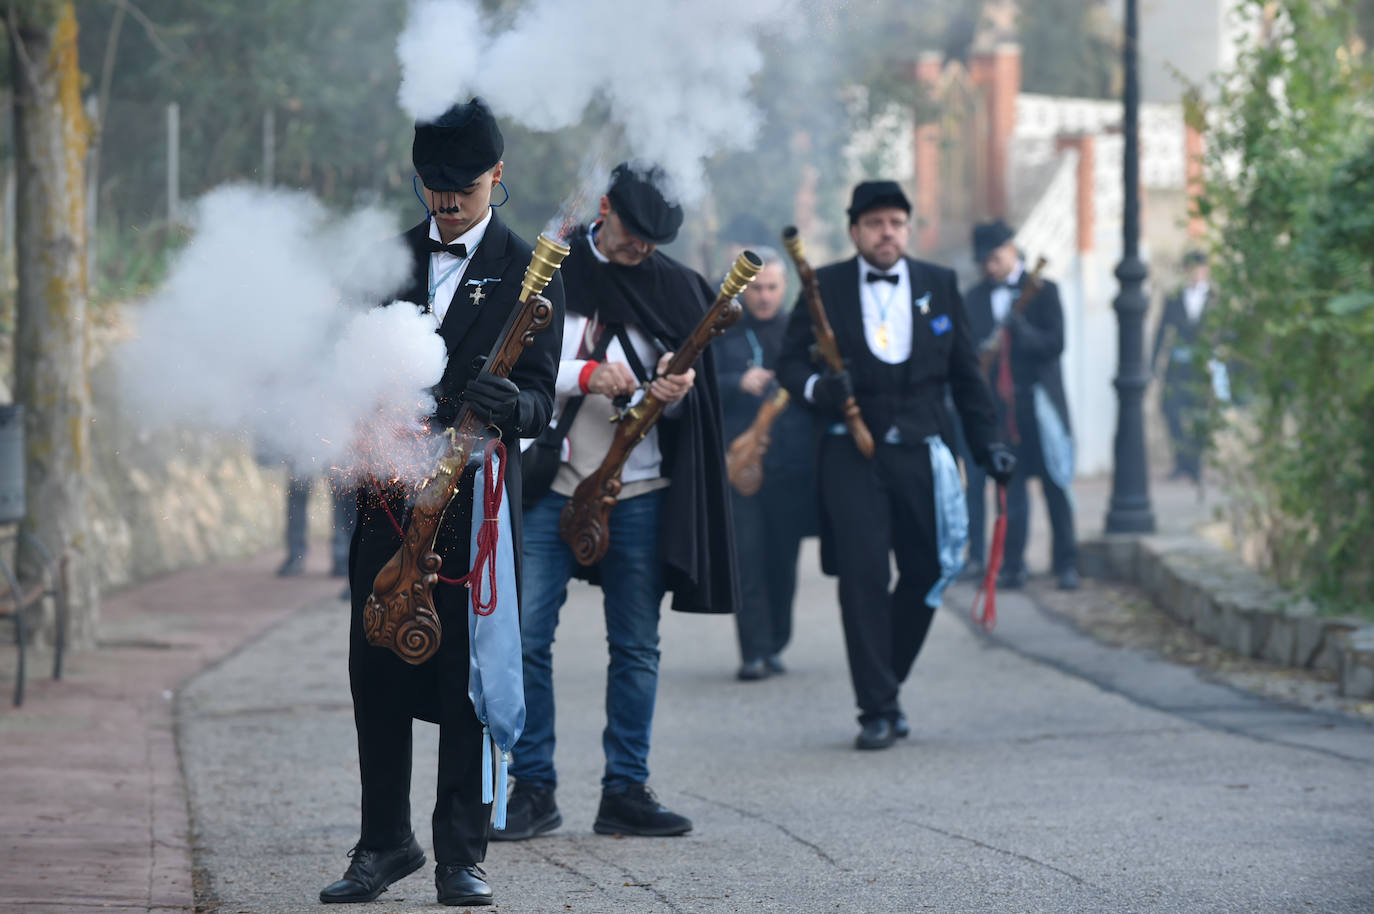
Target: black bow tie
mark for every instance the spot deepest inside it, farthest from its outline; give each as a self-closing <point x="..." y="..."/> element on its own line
<point x="457" y="250"/>
<point x="881" y="277"/>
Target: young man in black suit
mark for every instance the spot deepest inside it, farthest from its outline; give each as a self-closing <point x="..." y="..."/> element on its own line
<point x="899" y="323"/>
<point x="1179" y="330"/>
<point x="1027" y="379"/>
<point x="467" y="273"/>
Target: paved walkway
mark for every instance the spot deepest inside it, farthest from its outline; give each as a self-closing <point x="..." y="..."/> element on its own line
<point x="93" y="808"/>
<point x="1046" y="772"/>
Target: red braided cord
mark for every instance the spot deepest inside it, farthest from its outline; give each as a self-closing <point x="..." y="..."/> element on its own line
<point x="487" y="537"/>
<point x="985" y="602"/>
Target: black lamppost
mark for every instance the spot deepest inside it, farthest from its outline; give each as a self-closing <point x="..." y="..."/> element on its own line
<point x="1130" y="511"/>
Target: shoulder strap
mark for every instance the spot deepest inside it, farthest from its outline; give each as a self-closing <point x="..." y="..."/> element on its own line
<point x="558" y="432"/>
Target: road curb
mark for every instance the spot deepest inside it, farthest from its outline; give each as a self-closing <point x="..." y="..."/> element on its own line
<point x="1211" y="591"/>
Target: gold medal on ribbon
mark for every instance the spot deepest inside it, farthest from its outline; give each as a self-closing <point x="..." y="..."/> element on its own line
<point x="881" y="337"/>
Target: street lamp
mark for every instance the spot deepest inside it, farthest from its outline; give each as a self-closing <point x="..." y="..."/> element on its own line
<point x="1129" y="511"/>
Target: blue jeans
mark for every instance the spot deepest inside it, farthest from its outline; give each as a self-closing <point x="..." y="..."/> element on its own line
<point x="632" y="581"/>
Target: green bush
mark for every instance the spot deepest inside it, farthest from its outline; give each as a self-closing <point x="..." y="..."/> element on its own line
<point x="1290" y="199"/>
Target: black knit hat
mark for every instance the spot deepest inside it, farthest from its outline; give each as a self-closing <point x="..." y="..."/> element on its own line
<point x="454" y="149"/>
<point x="988" y="237"/>
<point x="636" y="198"/>
<point x="876" y="195"/>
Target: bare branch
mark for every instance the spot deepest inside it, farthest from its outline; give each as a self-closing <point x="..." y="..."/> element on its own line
<point x="150" y="28"/>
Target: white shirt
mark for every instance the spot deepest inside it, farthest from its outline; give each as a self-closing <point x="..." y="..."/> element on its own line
<point x="1002" y="296"/>
<point x="1194" y="298"/>
<point x="886" y="305"/>
<point x="441" y="262"/>
<point x="882" y="304"/>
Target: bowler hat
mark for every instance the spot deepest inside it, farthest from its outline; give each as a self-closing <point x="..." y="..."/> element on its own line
<point x="988" y="237"/>
<point x="875" y="195"/>
<point x="451" y="151"/>
<point x="637" y="198"/>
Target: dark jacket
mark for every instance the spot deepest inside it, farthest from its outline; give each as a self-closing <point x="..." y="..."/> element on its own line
<point x="1037" y="342"/>
<point x="1180" y="369"/>
<point x="789" y="453"/>
<point x="937" y="359"/>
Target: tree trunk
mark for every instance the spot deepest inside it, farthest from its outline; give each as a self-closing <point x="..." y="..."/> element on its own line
<point x="51" y="135"/>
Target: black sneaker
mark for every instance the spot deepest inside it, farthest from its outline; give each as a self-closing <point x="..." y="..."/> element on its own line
<point x="530" y="811"/>
<point x="636" y="811"/>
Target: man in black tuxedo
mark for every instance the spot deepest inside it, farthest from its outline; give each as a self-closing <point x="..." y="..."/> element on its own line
<point x="1178" y="336"/>
<point x="1029" y="385"/>
<point x="899" y="323"/>
<point x="467" y="273"/>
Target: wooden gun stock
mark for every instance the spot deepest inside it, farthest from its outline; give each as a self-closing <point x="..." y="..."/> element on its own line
<point x="744" y="459"/>
<point x="399" y="613"/>
<point x="992" y="346"/>
<point x="825" y="337"/>
<point x="585" y="522"/>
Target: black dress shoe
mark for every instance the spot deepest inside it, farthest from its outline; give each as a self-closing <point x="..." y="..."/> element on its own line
<point x="752" y="671"/>
<point x="1068" y="579"/>
<point x="370" y="872"/>
<point x="900" y="727"/>
<point x="636" y="811"/>
<point x="774" y="664"/>
<point x="530" y="811"/>
<point x="461" y="883"/>
<point x="292" y="567"/>
<point x="876" y="734"/>
<point x="1013" y="579"/>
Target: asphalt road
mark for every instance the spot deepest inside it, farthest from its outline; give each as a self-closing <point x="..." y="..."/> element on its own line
<point x="1046" y="773"/>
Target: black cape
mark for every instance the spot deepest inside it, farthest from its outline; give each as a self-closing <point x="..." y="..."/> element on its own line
<point x="667" y="301"/>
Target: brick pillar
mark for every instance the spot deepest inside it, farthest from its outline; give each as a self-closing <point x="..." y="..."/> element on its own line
<point x="1083" y="213"/>
<point x="927" y="158"/>
<point x="1003" y="69"/>
<point x="1192" y="178"/>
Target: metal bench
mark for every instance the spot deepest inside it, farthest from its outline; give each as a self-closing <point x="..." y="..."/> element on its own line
<point x="19" y="601"/>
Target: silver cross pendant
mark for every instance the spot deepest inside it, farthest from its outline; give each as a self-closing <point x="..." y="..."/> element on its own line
<point x="478" y="295"/>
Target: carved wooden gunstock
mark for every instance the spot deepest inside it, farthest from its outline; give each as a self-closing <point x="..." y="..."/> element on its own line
<point x="585" y="522"/>
<point x="825" y="337"/>
<point x="400" y="613"/>
<point x="744" y="459"/>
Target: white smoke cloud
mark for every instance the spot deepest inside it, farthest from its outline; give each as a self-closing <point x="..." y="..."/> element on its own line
<point x="263" y="327"/>
<point x="676" y="75"/>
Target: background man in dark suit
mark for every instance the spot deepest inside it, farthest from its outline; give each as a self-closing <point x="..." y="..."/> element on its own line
<point x="1177" y="336"/>
<point x="1030" y="387"/>
<point x="467" y="272"/>
<point x="900" y="325"/>
<point x="770" y="524"/>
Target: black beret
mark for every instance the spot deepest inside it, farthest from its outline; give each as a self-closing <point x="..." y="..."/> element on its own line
<point x="635" y="196"/>
<point x="988" y="237"/>
<point x="451" y="151"/>
<point x="744" y="229"/>
<point x="875" y="195"/>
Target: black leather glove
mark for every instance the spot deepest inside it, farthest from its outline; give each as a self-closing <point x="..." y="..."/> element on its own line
<point x="492" y="399"/>
<point x="831" y="391"/>
<point x="1001" y="463"/>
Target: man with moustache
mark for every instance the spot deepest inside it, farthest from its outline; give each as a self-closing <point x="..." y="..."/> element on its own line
<point x="770" y="524"/>
<point x="466" y="275"/>
<point x="900" y="325"/>
<point x="1034" y="409"/>
<point x="629" y="307"/>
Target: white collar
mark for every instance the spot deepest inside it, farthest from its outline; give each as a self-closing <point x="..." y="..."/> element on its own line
<point x="469" y="239"/>
<point x="1014" y="277"/>
<point x="591" y="239"/>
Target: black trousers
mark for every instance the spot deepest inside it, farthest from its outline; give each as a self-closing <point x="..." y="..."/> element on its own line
<point x="769" y="527"/>
<point x="1030" y="461"/>
<point x="873" y="509"/>
<point x="344" y="516"/>
<point x="389" y="693"/>
<point x="1179" y="403"/>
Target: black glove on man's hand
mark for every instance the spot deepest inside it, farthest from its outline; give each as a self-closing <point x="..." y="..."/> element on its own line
<point x="831" y="391"/>
<point x="492" y="398"/>
<point x="1001" y="463"/>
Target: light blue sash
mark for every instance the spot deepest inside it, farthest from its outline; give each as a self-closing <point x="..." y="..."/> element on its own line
<point x="496" y="680"/>
<point x="1056" y="445"/>
<point x="951" y="517"/>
